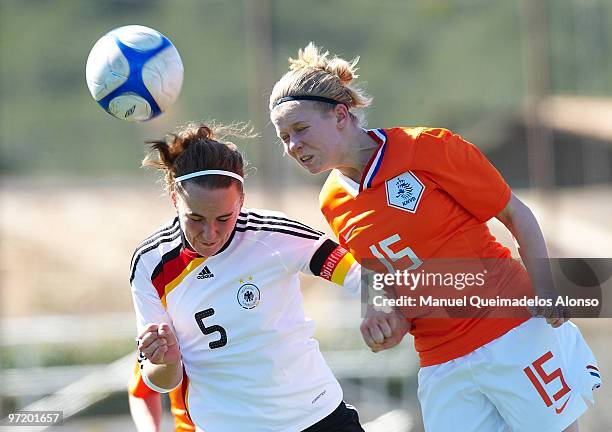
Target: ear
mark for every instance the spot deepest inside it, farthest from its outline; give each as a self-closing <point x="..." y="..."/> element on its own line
<point x="343" y="116"/>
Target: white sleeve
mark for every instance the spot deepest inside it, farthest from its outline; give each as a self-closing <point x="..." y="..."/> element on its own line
<point x="297" y="243"/>
<point x="299" y="254"/>
<point x="147" y="304"/>
<point x="352" y="281"/>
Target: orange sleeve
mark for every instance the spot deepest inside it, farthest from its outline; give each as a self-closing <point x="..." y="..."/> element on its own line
<point x="182" y="421"/>
<point x="461" y="170"/>
<point x="136" y="386"/>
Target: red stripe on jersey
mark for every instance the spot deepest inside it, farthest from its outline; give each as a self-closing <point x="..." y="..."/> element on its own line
<point x="379" y="143"/>
<point x="170" y="271"/>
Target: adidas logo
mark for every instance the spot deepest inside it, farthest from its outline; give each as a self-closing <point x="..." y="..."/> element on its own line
<point x="205" y="273"/>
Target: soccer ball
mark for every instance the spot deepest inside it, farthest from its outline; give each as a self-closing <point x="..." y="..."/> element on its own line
<point x="134" y="73"/>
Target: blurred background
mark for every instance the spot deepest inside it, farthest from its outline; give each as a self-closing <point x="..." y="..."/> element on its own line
<point x="528" y="81"/>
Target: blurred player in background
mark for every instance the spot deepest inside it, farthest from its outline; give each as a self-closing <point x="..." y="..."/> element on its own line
<point x="402" y="196"/>
<point x="218" y="302"/>
<point x="146" y="406"/>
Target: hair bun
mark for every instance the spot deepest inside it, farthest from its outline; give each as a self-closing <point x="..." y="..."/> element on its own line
<point x="344" y="70"/>
<point x="204" y="132"/>
<point x="314" y="73"/>
<point x="312" y="57"/>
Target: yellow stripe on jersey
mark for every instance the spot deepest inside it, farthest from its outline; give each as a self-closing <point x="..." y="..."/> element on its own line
<point x="177" y="280"/>
<point x="342" y="268"/>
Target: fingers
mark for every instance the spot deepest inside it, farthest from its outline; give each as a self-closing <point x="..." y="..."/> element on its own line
<point x="384" y="331"/>
<point x="386" y="327"/>
<point x="165" y="332"/>
<point x="555" y="322"/>
<point x="375" y="331"/>
<point x="148" y="328"/>
<point x="159" y="354"/>
<point x="377" y="348"/>
<point x="555" y="315"/>
<point x="155" y="341"/>
<point x="366" y="334"/>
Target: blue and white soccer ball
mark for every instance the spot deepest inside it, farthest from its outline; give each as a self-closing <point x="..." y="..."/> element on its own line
<point x="134" y="73"/>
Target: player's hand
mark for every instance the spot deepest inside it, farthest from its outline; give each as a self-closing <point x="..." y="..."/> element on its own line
<point x="158" y="344"/>
<point x="555" y="315"/>
<point x="382" y="329"/>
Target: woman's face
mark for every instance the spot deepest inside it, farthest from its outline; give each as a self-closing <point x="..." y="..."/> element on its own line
<point x="311" y="137"/>
<point x="207" y="216"/>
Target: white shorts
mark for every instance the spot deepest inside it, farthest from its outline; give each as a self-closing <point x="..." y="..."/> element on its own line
<point x="533" y="378"/>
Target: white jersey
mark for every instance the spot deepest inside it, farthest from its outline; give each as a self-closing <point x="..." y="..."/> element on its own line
<point x="248" y="350"/>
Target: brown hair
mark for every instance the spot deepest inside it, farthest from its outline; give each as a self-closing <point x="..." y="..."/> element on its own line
<point x="313" y="73"/>
<point x="195" y="147"/>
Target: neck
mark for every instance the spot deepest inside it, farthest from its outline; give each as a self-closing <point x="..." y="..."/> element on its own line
<point x="359" y="152"/>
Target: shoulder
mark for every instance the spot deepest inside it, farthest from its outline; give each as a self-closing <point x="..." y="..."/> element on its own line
<point x="418" y="135"/>
<point x="437" y="144"/>
<point x="336" y="191"/>
<point x="265" y="224"/>
<point x="331" y="182"/>
<point x="429" y="136"/>
<point x="164" y="240"/>
<point x="401" y="144"/>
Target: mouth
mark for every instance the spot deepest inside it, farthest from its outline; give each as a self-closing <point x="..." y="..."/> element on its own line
<point x="305" y="159"/>
<point x="208" y="244"/>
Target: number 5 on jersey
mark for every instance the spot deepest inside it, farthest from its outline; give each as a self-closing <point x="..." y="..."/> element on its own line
<point x="199" y="317"/>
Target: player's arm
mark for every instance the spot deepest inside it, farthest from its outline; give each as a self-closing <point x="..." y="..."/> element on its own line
<point x="162" y="370"/>
<point x="145" y="404"/>
<point x="381" y="329"/>
<point x="334" y="263"/>
<point x="146" y="412"/>
<point x="521" y="222"/>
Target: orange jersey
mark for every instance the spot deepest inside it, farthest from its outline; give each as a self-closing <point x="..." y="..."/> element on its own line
<point x="426" y="193"/>
<point x="182" y="422"/>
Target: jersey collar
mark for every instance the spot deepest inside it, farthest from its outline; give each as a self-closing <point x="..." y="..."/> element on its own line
<point x="375" y="161"/>
<point x="371" y="168"/>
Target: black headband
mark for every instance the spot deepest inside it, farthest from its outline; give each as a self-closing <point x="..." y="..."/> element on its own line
<point x="305" y="97"/>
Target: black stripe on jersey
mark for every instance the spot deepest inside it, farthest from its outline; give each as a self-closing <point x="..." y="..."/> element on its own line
<point x="270" y="217"/>
<point x="167" y="230"/>
<point x="278" y="230"/>
<point x="319" y="257"/>
<point x="167" y="257"/>
<point x="150" y="248"/>
<point x="251" y="221"/>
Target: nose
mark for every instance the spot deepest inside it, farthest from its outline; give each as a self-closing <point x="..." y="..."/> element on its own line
<point x="207" y="233"/>
<point x="294" y="145"/>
